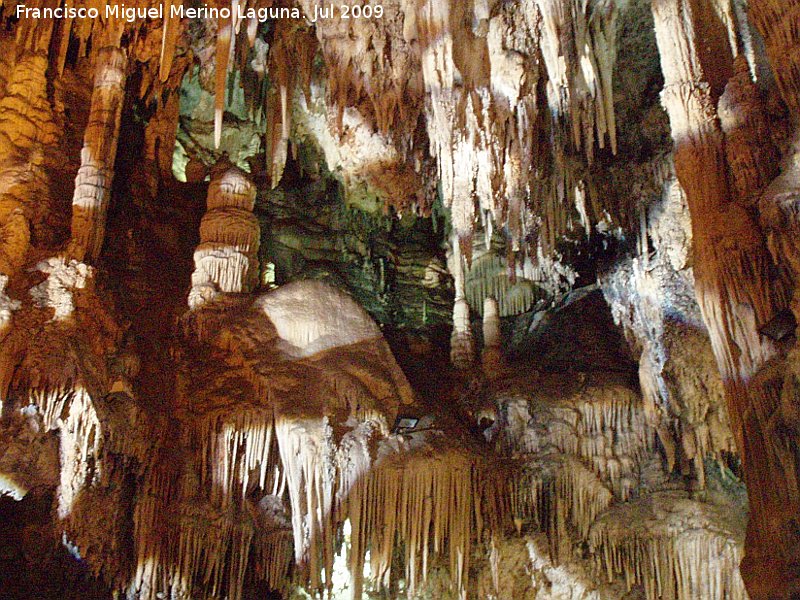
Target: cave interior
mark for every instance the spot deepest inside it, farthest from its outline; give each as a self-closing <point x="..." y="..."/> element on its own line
<point x="415" y="299"/>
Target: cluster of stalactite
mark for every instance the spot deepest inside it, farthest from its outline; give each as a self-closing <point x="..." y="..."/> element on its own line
<point x="478" y="66"/>
<point x="281" y="434"/>
<point x="580" y="425"/>
<point x="267" y="454"/>
<point x="432" y="506"/>
<point x="473" y="74"/>
<point x="480" y="75"/>
<point x="651" y="296"/>
<point x="481" y="82"/>
<point x="585" y="457"/>
<point x="322" y="460"/>
<point x="58" y="381"/>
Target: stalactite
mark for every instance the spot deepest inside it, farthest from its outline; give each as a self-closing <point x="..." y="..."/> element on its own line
<point x="306" y="455"/>
<point x="214" y="548"/>
<point x="289" y="442"/>
<point x="672" y="546"/>
<point x="230" y="448"/>
<point x="562" y="497"/>
<point x="431" y="505"/>
<point x="169" y="37"/>
<point x="290" y="65"/>
<point x="578" y="454"/>
<point x="670" y="549"/>
<point x="605" y="428"/>
<point x="95" y="176"/>
<point x="7" y="308"/>
<point x="161" y="132"/>
<point x="652" y="297"/>
<point x="578" y="48"/>
<point x="225" y="48"/>
<point x="272" y="558"/>
<point x="481" y="116"/>
<point x="778" y="208"/>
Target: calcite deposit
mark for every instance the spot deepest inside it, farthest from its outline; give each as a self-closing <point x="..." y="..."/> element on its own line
<point x="484" y="299"/>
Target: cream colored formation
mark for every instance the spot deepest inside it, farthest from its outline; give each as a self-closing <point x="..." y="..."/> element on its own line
<point x="586" y="453"/>
<point x="226" y="261"/>
<point x="93" y="184"/>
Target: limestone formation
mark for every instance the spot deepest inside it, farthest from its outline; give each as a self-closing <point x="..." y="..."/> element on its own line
<point x="227" y="258"/>
<point x="735" y="289"/>
<point x="462" y="344"/>
<point x="491" y="354"/>
<point x="27" y="130"/>
<point x="486" y="300"/>
<point x="96" y="175"/>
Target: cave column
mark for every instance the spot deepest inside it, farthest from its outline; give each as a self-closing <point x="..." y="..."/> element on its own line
<point x="96" y="173"/>
<point x="737" y="295"/>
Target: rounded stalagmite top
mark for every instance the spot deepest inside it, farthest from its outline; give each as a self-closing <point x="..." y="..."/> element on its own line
<point x="231" y="188"/>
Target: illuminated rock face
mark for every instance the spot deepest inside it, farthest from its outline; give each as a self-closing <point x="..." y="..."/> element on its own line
<point x="266" y="439"/>
<point x="312" y="317"/>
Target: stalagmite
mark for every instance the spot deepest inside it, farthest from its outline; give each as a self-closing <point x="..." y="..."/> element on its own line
<point x="27" y="129"/>
<point x="668" y="547"/>
<point x="491" y="355"/>
<point x="462" y="344"/>
<point x="488" y="277"/>
<point x="227" y="258"/>
<point x="7" y="308"/>
<point x="96" y="174"/>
